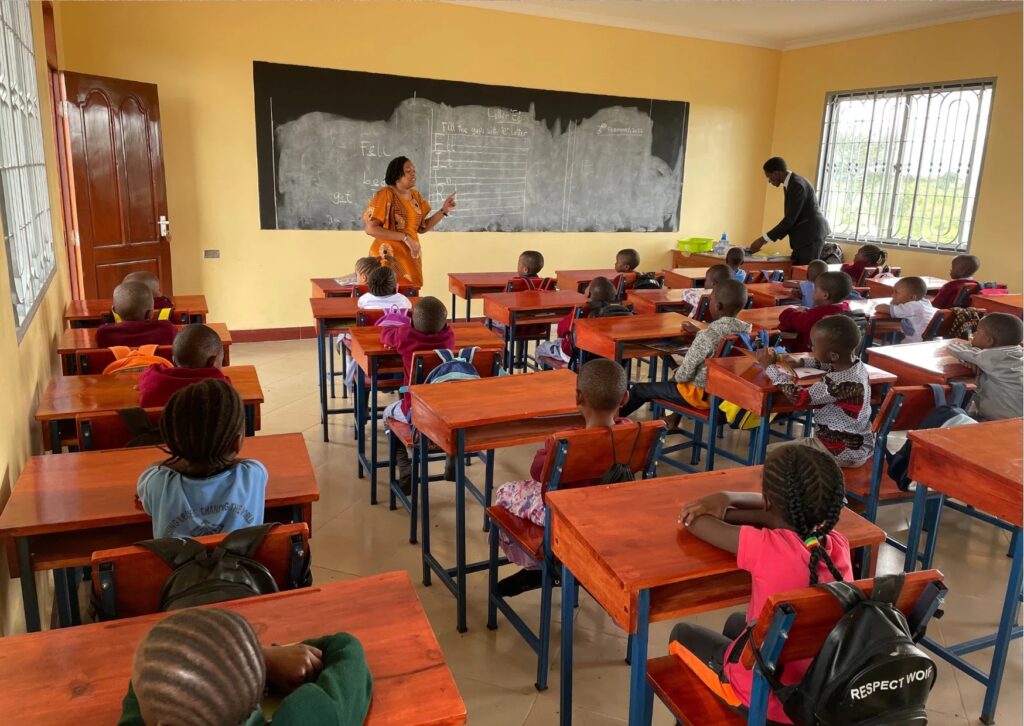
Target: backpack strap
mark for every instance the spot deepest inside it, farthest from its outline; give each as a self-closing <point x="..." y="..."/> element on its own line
<point x="467" y="353"/>
<point x="445" y="355"/>
<point x="938" y="394"/>
<point x="888" y="588"/>
<point x="120" y="351"/>
<point x="244" y="542"/>
<point x="847" y="595"/>
<point x="958" y="391"/>
<point x="174" y="551"/>
<point x="615" y="456"/>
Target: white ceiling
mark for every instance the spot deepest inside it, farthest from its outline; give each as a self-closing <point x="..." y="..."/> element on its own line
<point x="779" y="24"/>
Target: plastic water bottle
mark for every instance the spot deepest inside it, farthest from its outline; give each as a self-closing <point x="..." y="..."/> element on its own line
<point x="723" y="245"/>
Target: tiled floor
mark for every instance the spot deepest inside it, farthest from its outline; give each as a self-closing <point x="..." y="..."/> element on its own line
<point x="495" y="669"/>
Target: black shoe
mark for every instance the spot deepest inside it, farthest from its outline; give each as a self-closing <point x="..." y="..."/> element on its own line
<point x="523" y="581"/>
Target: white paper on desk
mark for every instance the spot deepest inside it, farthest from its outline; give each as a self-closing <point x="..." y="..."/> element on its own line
<point x="807" y="372"/>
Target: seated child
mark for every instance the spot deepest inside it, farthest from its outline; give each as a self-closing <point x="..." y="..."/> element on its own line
<point x="806" y="287"/>
<point x="133" y="304"/>
<point x="843" y="423"/>
<point x="687" y="386"/>
<point x="363" y="267"/>
<point x="734" y="259"/>
<point x="830" y="292"/>
<point x="600" y="391"/>
<point x="383" y="292"/>
<point x="627" y="260"/>
<point x="911" y="307"/>
<point x="692" y="295"/>
<point x="206" y="665"/>
<point x="203" y="488"/>
<point x="600" y="293"/>
<point x="528" y="276"/>
<point x="962" y="271"/>
<point x="197" y="355"/>
<point x="996" y="355"/>
<point x="785" y="538"/>
<point x="160" y="301"/>
<point x="867" y="256"/>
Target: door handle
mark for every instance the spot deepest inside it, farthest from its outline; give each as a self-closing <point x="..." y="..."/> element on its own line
<point x="165" y="225"/>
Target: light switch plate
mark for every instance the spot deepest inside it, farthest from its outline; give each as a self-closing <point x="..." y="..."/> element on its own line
<point x="211" y="254"/>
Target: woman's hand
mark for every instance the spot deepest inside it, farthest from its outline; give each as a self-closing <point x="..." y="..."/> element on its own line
<point x="713" y="505"/>
<point x="289" y="666"/>
<point x="413" y="245"/>
<point x="449" y="203"/>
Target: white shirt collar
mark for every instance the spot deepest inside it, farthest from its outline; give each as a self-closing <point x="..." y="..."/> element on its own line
<point x="785" y="182"/>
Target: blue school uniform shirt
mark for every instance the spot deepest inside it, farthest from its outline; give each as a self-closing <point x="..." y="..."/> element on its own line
<point x="740" y="275"/>
<point x="807" y="294"/>
<point x="185" y="506"/>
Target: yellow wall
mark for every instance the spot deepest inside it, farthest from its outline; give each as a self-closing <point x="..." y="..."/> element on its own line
<point x="200" y="55"/>
<point x="988" y="47"/>
<point x="27" y="367"/>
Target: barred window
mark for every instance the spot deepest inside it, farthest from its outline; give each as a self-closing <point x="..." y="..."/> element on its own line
<point x="900" y="166"/>
<point x="24" y="195"/>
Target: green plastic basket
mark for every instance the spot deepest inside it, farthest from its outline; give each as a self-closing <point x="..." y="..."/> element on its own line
<point x="695" y="244"/>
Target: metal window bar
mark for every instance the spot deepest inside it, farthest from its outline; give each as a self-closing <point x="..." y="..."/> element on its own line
<point x="901" y="166"/>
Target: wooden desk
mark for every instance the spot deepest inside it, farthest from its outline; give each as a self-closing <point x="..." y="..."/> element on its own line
<point x="883" y="288"/>
<point x="750" y="263"/>
<point x="684" y="277"/>
<point x="373" y="358"/>
<point x="330" y="287"/>
<point x="90" y="313"/>
<point x="468" y="285"/>
<point x="80" y="675"/>
<point x="918" y="363"/>
<point x="770" y="294"/>
<point x="77" y="342"/>
<point x="66" y="397"/>
<point x="528" y="307"/>
<point x="65" y="507"/>
<point x="620" y="338"/>
<point x="1012" y="304"/>
<point x="481" y="416"/>
<point x="981" y="466"/>
<point x="763" y="318"/>
<point x="800" y="271"/>
<point x="597" y="533"/>
<point x="662" y="300"/>
<point x="579" y="280"/>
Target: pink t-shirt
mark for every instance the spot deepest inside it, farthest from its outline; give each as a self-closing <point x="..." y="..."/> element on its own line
<point x="778" y="561"/>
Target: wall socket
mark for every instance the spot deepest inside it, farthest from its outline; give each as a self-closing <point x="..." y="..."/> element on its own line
<point x="211" y="254"/>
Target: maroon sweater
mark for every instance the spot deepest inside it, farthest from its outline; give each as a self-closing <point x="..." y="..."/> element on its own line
<point x="406" y="341"/>
<point x="801" y="321"/>
<point x="134" y="333"/>
<point x="949" y="292"/>
<point x="158" y="383"/>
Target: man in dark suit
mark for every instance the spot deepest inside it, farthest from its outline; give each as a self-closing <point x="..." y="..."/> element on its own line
<point x="803" y="221"/>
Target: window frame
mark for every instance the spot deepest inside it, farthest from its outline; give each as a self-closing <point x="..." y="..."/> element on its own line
<point x="906" y="88"/>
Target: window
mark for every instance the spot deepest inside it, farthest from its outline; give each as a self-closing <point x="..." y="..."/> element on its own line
<point x="24" y="195"/>
<point x="900" y="166"/>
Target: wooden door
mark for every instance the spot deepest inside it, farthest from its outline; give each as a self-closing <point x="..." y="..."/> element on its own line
<point x="117" y="172"/>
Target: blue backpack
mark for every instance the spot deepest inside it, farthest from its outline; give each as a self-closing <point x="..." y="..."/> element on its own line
<point x="454" y="367"/>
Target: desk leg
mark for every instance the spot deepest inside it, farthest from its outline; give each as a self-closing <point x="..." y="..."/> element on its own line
<point x="1003" y="635"/>
<point x="641" y="698"/>
<point x="714" y="403"/>
<point x="322" y="377"/>
<point x="510" y="341"/>
<point x="424" y="484"/>
<point x="469" y="299"/>
<point x="330" y="359"/>
<point x="460" y="528"/>
<point x="764" y="432"/>
<point x="373" y="432"/>
<point x="358" y="405"/>
<point x="55" y="445"/>
<point x="568" y="613"/>
<point x="250" y="420"/>
<point x="30" y="598"/>
<point x="914" y="532"/>
<point x="61" y="599"/>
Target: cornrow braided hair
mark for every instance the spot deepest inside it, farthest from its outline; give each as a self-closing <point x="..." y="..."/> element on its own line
<point x="200" y="426"/>
<point x="199" y="667"/>
<point x="807" y="486"/>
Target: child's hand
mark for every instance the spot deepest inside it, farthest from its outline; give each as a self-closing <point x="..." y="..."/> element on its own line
<point x="289" y="666"/>
<point x="766" y="356"/>
<point x="690" y="327"/>
<point x="713" y="505"/>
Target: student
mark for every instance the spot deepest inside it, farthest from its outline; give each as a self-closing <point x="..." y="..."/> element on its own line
<point x="160" y="301"/>
<point x="867" y="256"/>
<point x="627" y="260"/>
<point x="911" y="307"/>
<point x="962" y="271"/>
<point x="429" y="331"/>
<point x="806" y="287"/>
<point x="843" y="421"/>
<point x="206" y="665"/>
<point x="715" y="274"/>
<point x="785" y="538"/>
<point x="830" y="292"/>
<point x="528" y="276"/>
<point x="383" y="292"/>
<point x="600" y="293"/>
<point x="996" y="355"/>
<point x="203" y="488"/>
<point x="734" y="259"/>
<point x="363" y="267"/>
<point x="133" y="304"/>
<point x="687" y="386"/>
<point x="197" y="355"/>
<point x="600" y="391"/>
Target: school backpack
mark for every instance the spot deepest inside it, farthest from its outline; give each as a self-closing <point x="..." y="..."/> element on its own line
<point x="141" y="427"/>
<point x="945" y="414"/>
<point x="620" y="472"/>
<point x="229" y="572"/>
<point x="964" y="323"/>
<point x="393" y="317"/>
<point x="522" y="284"/>
<point x="869" y="669"/>
<point x="609" y="310"/>
<point x="646" y="281"/>
<point x="454" y="367"/>
<point x="134" y="360"/>
<point x="831" y="253"/>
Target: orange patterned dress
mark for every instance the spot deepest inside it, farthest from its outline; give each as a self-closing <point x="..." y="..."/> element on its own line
<point x="400" y="215"/>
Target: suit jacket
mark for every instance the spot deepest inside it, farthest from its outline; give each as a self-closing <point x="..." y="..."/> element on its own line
<point x="803" y="221"/>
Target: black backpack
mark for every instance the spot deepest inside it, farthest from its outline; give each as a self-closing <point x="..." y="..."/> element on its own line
<point x="646" y="281"/>
<point x="609" y="310"/>
<point x="620" y="471"/>
<point x="869" y="669"/>
<point x="831" y="253"/>
<point x="899" y="463"/>
<point x="229" y="572"/>
<point x="143" y="432"/>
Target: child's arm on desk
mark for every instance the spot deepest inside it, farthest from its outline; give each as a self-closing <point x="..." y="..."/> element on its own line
<point x="716" y="518"/>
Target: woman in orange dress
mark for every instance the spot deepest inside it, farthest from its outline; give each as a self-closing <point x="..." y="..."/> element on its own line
<point x="396" y="218"/>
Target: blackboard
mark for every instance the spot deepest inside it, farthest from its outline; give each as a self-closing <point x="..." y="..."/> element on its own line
<point x="521" y="159"/>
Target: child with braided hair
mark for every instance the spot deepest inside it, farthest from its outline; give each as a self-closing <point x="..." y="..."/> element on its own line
<point x="203" y="488"/>
<point x="785" y="538"/>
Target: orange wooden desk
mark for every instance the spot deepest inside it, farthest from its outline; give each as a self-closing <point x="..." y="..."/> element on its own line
<point x="330" y="287"/>
<point x="75" y="343"/>
<point x="883" y="288"/>
<point x="65" y="507"/>
<point x="468" y="285"/>
<point x="90" y="313"/>
<point x="769" y="294"/>
<point x="374" y="358"/>
<point x="684" y="277"/>
<point x="528" y="307"/>
<point x="66" y="397"/>
<point x="1012" y="304"/>
<point x="620" y="338"/>
<point x="918" y="363"/>
<point x="623" y="543"/>
<point x="750" y="263"/>
<point x="80" y="675"/>
<point x="981" y="466"/>
<point x="800" y="271"/>
<point x="767" y="318"/>
<point x="480" y="416"/>
<point x="579" y="280"/>
<point x="662" y="300"/>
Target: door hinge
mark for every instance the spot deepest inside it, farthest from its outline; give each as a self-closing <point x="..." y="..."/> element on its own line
<point x="165" y="225"/>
